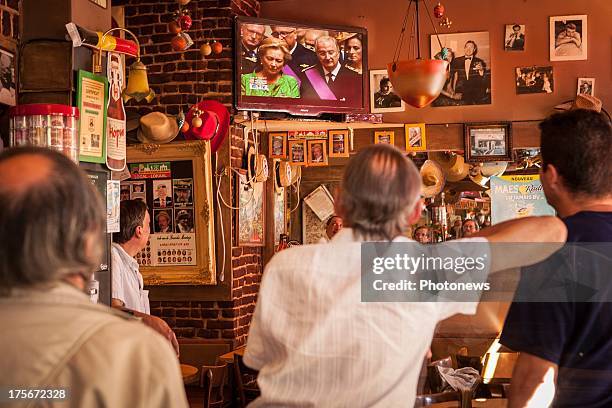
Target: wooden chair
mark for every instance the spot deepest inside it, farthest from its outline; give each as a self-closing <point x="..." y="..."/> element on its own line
<point x="246" y="381"/>
<point x="213" y="381"/>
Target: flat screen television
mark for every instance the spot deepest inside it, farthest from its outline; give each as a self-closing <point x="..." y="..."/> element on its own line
<point x="301" y="69"/>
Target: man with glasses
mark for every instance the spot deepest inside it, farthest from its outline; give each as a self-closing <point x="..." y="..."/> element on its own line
<point x="301" y="57"/>
<point x="328" y="79"/>
<point x="251" y="36"/>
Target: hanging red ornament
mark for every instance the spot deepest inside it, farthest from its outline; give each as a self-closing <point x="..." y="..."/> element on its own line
<point x="205" y="49"/>
<point x="217" y="47"/>
<point x="185" y="127"/>
<point x="185" y="22"/>
<point x="174" y="27"/>
<point x="196" y="122"/>
<point x="438" y="10"/>
<point x="178" y="43"/>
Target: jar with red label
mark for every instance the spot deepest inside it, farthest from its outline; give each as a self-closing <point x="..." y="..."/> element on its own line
<point x="50" y="125"/>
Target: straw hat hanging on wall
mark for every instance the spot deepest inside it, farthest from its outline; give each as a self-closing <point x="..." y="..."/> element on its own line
<point x="432" y="178"/>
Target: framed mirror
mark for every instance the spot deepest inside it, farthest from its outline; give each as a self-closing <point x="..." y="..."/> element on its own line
<point x="175" y="180"/>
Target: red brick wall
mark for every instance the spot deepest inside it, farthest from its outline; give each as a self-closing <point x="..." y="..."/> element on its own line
<point x="183" y="78"/>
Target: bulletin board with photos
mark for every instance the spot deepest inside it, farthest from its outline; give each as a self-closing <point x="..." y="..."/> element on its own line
<point x="175" y="182"/>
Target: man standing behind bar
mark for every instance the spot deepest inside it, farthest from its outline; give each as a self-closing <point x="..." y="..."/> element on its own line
<point x="129" y="294"/>
<point x="53" y="337"/>
<point x="569" y="345"/>
<point x="313" y="340"/>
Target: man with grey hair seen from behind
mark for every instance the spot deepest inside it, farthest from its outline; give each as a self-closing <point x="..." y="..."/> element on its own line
<point x="53" y="337"/>
<point x="313" y="340"/>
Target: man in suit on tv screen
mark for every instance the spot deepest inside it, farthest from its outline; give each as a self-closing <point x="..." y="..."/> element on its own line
<point x="328" y="79"/>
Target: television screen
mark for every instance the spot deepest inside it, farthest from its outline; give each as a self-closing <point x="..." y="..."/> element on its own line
<point x="300" y="69"/>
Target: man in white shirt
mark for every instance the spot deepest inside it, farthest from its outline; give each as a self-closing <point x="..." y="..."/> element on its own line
<point x="128" y="293"/>
<point x="313" y="340"/>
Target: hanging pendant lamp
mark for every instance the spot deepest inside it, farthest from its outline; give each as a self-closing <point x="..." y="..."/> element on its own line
<point x="417" y="81"/>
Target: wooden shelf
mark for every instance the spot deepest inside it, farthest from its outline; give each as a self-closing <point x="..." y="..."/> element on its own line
<point x="289" y="125"/>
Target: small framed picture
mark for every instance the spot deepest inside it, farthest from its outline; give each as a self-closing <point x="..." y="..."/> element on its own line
<point x="534" y="80"/>
<point x="338" y="143"/>
<point x="278" y="144"/>
<point x="386" y="136"/>
<point x="514" y="39"/>
<point x="297" y="151"/>
<point x="568" y="38"/>
<point x="488" y="142"/>
<point x="8" y="94"/>
<point x="586" y="86"/>
<point x="317" y="152"/>
<point x="382" y="97"/>
<point x="415" y="137"/>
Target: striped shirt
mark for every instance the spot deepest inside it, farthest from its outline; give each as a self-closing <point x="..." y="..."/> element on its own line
<point x="316" y="344"/>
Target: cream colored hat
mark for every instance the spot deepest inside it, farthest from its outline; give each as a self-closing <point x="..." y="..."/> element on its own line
<point x="157" y="127"/>
<point x="493" y="169"/>
<point x="476" y="175"/>
<point x="582" y="101"/>
<point x="453" y="165"/>
<point x="432" y="178"/>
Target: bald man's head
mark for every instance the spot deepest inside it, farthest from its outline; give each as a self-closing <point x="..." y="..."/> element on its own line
<point x="50" y="218"/>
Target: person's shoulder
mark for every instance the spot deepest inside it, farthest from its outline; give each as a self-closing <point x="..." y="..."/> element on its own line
<point x="293" y="258"/>
<point x="290" y="80"/>
<point x="344" y="70"/>
<point x="313" y="67"/>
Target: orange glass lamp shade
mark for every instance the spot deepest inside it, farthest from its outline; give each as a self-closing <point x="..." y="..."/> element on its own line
<point x="138" y="84"/>
<point x="418" y="82"/>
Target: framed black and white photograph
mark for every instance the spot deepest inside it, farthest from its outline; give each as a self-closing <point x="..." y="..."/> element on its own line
<point x="514" y="37"/>
<point x="382" y="97"/>
<point x="568" y="38"/>
<point x="586" y="86"/>
<point x="488" y="142"/>
<point x="531" y="80"/>
<point x="468" y="79"/>
<point x="8" y="95"/>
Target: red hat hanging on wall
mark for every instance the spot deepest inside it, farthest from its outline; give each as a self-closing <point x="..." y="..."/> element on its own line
<point x="208" y="120"/>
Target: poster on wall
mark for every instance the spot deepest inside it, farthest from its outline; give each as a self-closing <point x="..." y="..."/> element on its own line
<point x="516" y="197"/>
<point x="91" y="101"/>
<point x="169" y="250"/>
<point x="115" y="114"/>
<point x="112" y="205"/>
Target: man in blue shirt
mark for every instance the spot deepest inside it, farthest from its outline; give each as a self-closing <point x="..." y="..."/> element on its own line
<point x="569" y="342"/>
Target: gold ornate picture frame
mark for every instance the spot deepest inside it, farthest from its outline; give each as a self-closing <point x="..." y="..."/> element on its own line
<point x="202" y="270"/>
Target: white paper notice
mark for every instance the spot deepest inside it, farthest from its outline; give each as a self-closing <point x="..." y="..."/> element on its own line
<point x="113" y="188"/>
<point x="321" y="202"/>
